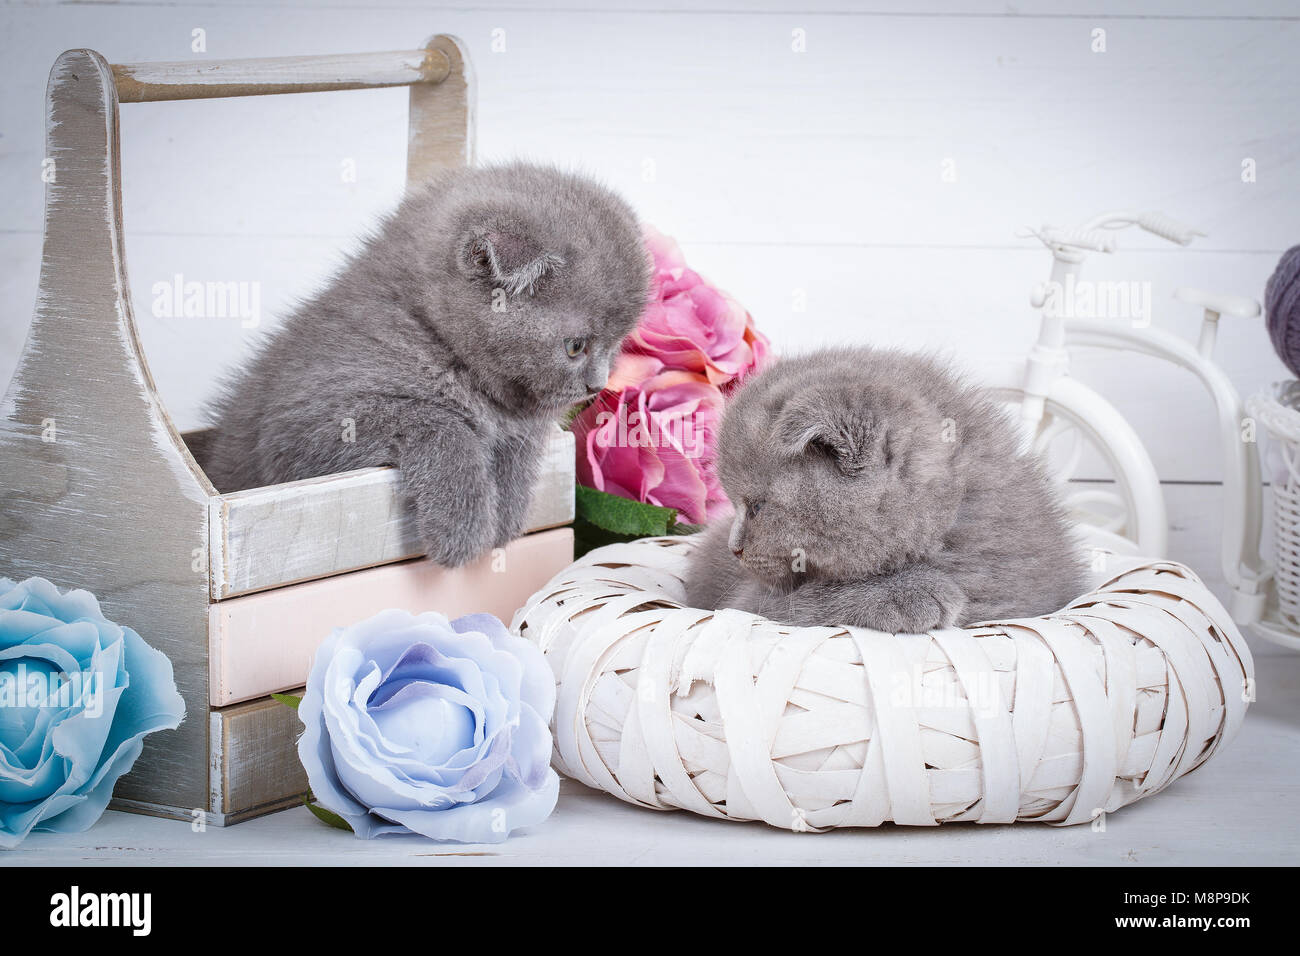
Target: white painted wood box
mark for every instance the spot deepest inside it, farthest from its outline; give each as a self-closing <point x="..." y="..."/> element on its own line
<point x="99" y="490"/>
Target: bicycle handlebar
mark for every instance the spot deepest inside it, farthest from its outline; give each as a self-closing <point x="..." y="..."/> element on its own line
<point x="1158" y="224"/>
<point x="1096" y="234"/>
<point x="1093" y="239"/>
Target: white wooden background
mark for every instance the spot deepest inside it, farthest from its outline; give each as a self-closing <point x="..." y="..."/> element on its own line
<point x="785" y="175"/>
<point x="790" y="178"/>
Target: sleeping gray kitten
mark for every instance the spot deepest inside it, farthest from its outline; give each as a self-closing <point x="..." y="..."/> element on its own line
<point x="874" y="488"/>
<point x="482" y="308"/>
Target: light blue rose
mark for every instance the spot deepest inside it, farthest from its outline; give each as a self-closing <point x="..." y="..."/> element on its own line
<point x="419" y="724"/>
<point x="78" y="694"/>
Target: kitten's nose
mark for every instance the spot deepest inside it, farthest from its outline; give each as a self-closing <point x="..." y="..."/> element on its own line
<point x="597" y="375"/>
<point x="736" y="539"/>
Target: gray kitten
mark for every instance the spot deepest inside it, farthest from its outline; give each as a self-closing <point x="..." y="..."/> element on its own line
<point x="875" y="488"/>
<point x="483" y="307"/>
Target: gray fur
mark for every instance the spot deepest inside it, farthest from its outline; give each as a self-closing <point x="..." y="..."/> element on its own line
<point x="900" y="485"/>
<point x="406" y="343"/>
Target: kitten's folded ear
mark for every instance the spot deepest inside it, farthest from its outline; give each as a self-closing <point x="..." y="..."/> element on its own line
<point x="853" y="439"/>
<point x="507" y="253"/>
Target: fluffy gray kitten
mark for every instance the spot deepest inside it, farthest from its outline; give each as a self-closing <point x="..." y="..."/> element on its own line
<point x="875" y="488"/>
<point x="483" y="307"/>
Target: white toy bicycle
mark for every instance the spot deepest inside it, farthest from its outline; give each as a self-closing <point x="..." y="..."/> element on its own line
<point x="1055" y="408"/>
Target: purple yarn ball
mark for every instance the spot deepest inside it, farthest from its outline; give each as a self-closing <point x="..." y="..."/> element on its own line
<point x="1282" y="307"/>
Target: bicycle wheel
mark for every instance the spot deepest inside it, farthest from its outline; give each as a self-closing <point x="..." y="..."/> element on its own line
<point x="1122" y="511"/>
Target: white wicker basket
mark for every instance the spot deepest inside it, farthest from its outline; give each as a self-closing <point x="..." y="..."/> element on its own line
<point x="1273" y="410"/>
<point x="1054" y="719"/>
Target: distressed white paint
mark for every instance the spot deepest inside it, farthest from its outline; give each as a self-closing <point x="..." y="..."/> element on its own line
<point x="202" y="79"/>
<point x="268" y="537"/>
<point x="111" y="504"/>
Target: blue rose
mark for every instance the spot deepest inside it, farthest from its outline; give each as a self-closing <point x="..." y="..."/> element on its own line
<point x="78" y="693"/>
<point x="419" y="724"/>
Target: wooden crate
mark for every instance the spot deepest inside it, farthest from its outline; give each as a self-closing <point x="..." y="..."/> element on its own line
<point x="99" y="490"/>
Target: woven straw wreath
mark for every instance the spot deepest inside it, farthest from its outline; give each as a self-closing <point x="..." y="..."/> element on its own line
<point x="1053" y="719"/>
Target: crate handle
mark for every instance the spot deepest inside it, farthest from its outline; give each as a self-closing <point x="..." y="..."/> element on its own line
<point x="205" y="79"/>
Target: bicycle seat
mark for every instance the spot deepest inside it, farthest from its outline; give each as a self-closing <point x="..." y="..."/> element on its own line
<point x="1239" y="306"/>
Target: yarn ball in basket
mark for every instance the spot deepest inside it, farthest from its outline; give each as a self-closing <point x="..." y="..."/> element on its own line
<point x="1282" y="307"/>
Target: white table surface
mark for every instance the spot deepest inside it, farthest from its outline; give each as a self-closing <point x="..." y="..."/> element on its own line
<point x="1241" y="808"/>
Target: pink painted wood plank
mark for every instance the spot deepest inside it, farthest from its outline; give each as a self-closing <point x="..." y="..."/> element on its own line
<point x="263" y="643"/>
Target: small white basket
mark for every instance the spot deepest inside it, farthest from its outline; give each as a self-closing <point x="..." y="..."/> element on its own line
<point x="1277" y="410"/>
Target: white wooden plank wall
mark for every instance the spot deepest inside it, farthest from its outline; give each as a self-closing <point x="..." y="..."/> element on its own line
<point x="810" y="184"/>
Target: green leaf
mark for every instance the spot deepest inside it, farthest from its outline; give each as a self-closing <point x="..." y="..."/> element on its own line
<point x="622" y="516"/>
<point x="288" y="700"/>
<point x="587" y="537"/>
<point x="327" y="816"/>
<point x="567" y="420"/>
<point x="602" y="519"/>
<point x="682" y="528"/>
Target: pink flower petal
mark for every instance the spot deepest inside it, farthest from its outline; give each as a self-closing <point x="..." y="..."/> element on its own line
<point x="651" y="435"/>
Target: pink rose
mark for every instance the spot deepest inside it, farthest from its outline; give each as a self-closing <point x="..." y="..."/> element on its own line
<point x="688" y="324"/>
<point x="650" y="436"/>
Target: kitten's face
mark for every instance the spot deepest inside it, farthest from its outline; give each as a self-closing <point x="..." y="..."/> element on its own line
<point x="541" y="275"/>
<point x="556" y="339"/>
<point x="833" y="477"/>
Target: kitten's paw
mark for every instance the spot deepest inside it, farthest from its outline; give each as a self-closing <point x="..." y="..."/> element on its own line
<point x="505" y="535"/>
<point x="912" y="604"/>
<point x="454" y="554"/>
<point x="455" y="547"/>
